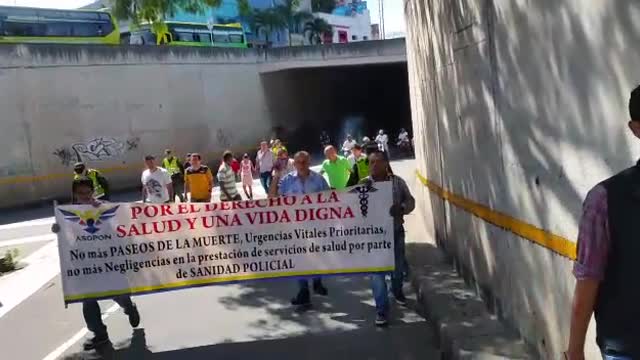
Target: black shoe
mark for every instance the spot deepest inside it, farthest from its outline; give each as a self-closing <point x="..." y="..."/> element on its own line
<point x="319" y="289"/>
<point x="95" y="342"/>
<point x="302" y="299"/>
<point x="381" y="320"/>
<point x="401" y="299"/>
<point x="134" y="316"/>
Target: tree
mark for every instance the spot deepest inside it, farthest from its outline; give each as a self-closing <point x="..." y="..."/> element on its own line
<point x="316" y="29"/>
<point x="156" y="11"/>
<point x="325" y="6"/>
<point x="292" y="17"/>
<point x="266" y="21"/>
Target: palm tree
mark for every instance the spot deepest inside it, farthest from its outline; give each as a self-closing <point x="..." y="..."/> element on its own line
<point x="266" y="21"/>
<point x="292" y="17"/>
<point x="316" y="30"/>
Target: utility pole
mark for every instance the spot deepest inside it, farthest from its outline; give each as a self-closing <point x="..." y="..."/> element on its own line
<point x="382" y="30"/>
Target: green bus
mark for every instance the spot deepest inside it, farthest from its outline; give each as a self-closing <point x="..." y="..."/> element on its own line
<point x="189" y="34"/>
<point x="51" y="26"/>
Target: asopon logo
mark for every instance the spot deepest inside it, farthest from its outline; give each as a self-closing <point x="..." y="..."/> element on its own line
<point x="90" y="219"/>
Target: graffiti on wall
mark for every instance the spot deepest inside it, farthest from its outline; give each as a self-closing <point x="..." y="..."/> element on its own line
<point x="96" y="149"/>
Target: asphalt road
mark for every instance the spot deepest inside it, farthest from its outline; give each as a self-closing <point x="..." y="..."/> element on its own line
<point x="241" y="321"/>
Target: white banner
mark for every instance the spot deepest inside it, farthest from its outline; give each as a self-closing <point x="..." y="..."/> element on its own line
<point x="133" y="248"/>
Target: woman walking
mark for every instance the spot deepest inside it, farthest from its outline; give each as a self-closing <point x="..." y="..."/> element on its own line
<point x="246" y="172"/>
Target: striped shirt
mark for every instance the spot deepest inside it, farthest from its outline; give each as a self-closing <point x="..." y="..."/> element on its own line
<point x="227" y="180"/>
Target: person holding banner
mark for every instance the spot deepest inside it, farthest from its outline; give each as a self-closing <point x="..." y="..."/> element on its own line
<point x="83" y="195"/>
<point x="303" y="181"/>
<point x="403" y="204"/>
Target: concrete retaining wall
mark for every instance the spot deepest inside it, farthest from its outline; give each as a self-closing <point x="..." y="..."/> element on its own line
<point x="520" y="106"/>
<point x="109" y="106"/>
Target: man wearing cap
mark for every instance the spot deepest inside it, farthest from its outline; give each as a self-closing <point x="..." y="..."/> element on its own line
<point x="100" y="183"/>
<point x="174" y="167"/>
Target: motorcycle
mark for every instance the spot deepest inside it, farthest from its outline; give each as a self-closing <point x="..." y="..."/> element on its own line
<point x="405" y="146"/>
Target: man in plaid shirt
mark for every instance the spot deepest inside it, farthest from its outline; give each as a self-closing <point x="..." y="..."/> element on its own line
<point x="608" y="261"/>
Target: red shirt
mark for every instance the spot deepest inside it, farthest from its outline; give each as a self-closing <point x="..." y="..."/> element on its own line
<point x="235" y="166"/>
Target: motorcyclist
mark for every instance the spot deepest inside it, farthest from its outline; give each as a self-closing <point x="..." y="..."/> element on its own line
<point x="383" y="141"/>
<point x="348" y="145"/>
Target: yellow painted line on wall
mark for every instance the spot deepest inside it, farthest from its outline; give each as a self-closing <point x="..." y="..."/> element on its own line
<point x="226" y="279"/>
<point x="66" y="176"/>
<point x="553" y="242"/>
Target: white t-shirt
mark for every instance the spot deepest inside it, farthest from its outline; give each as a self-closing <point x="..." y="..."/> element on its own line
<point x="265" y="160"/>
<point x="382" y="139"/>
<point x="348" y="145"/>
<point x="155" y="184"/>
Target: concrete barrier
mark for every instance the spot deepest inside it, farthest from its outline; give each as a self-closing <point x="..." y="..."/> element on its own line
<point x="111" y="105"/>
<point x="519" y="107"/>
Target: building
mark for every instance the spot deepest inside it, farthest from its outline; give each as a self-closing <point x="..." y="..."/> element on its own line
<point x="351" y="21"/>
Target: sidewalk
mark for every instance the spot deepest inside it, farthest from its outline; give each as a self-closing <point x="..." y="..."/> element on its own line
<point x="464" y="327"/>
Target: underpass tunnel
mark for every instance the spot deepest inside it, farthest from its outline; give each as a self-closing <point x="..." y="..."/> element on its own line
<point x="358" y="100"/>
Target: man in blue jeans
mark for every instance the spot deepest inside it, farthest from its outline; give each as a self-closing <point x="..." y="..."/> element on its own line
<point x="264" y="164"/>
<point x="303" y="181"/>
<point x="83" y="195"/>
<point x="403" y="204"/>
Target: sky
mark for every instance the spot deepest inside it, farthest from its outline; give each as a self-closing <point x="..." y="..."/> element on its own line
<point x="393" y="10"/>
<point x="393" y="15"/>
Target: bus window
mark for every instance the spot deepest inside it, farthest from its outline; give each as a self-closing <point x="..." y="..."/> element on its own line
<point x="148" y="38"/>
<point x="22" y="29"/>
<point x="91" y="29"/>
<point x="220" y="38"/>
<point x="203" y="38"/>
<point x="236" y="38"/>
<point x="183" y="36"/>
<point x="57" y="29"/>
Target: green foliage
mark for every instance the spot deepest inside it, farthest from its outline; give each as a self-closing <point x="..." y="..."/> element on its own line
<point x="325" y="6"/>
<point x="8" y="262"/>
<point x="290" y="14"/>
<point x="156" y="11"/>
<point x="244" y="8"/>
<point x="266" y="21"/>
<point x="316" y="29"/>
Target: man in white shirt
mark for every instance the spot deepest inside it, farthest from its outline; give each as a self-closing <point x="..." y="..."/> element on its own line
<point x="403" y="137"/>
<point x="348" y="145"/>
<point x="383" y="141"/>
<point x="156" y="183"/>
<point x="264" y="162"/>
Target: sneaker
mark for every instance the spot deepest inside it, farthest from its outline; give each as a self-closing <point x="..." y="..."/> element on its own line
<point x="401" y="299"/>
<point x="95" y="342"/>
<point x="381" y="320"/>
<point x="134" y="317"/>
<point x="319" y="289"/>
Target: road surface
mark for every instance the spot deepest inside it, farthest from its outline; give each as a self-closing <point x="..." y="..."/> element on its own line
<point x="239" y="321"/>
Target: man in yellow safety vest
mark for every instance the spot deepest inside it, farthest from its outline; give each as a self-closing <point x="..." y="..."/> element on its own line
<point x="174" y="166"/>
<point x="100" y="183"/>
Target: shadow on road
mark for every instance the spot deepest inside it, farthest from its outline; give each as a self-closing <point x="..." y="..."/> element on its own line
<point x="402" y="342"/>
<point x="339" y="326"/>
